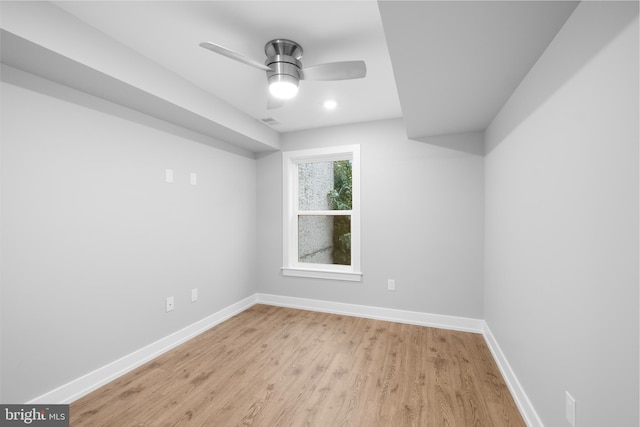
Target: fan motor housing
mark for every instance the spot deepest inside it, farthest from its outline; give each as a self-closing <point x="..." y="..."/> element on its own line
<point x="283" y="57"/>
<point x="283" y="47"/>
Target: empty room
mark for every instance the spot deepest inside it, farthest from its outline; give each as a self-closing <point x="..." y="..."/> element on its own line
<point x="320" y="213"/>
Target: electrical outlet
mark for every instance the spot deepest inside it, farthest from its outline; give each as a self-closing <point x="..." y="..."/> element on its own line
<point x="391" y="285"/>
<point x="169" y="304"/>
<point x="194" y="294"/>
<point x="570" y="409"/>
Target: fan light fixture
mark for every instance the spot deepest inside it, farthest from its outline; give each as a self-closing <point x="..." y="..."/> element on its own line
<point x="283" y="60"/>
<point x="284" y="69"/>
<point x="282" y="86"/>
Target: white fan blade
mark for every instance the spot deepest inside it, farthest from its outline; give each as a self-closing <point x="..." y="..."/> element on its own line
<point x="273" y="103"/>
<point x="233" y="55"/>
<point x="345" y="70"/>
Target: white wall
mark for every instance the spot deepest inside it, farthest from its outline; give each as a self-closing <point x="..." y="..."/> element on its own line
<point x="562" y="221"/>
<point x="40" y="37"/>
<point x="94" y="240"/>
<point x="422" y="222"/>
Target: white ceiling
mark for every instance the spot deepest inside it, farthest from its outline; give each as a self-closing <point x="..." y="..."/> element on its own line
<point x="444" y="66"/>
<point x="168" y="32"/>
<point x="457" y="62"/>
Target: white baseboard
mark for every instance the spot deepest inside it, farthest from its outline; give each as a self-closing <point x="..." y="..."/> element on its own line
<point x="79" y="387"/>
<point x="391" y="315"/>
<point x="527" y="410"/>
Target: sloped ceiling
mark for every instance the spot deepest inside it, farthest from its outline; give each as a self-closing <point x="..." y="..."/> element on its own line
<point x="457" y="62"/>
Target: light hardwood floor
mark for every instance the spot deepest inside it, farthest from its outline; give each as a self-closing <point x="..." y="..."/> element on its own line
<point x="273" y="366"/>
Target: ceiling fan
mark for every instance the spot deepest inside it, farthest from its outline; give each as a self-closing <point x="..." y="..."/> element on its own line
<point x="284" y="69"/>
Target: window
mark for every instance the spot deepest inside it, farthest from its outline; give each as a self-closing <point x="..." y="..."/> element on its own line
<point x="321" y="193"/>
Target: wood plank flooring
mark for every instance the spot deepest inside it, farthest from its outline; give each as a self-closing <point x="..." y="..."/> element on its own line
<point x="273" y="366"/>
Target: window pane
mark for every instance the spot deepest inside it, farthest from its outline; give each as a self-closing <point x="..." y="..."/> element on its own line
<point x="324" y="185"/>
<point x="324" y="239"/>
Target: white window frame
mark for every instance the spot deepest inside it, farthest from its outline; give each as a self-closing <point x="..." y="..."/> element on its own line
<point x="291" y="265"/>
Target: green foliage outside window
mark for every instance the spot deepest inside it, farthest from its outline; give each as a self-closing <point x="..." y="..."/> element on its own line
<point x="341" y="199"/>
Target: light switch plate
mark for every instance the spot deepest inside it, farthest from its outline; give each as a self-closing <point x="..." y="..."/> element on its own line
<point x="168" y="175"/>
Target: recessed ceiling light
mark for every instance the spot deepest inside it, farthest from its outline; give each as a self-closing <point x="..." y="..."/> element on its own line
<point x="330" y="104"/>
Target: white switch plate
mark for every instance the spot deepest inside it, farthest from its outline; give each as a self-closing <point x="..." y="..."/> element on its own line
<point x="194" y="294"/>
<point x="391" y="285"/>
<point x="169" y="304"/>
<point x="570" y="409"/>
<point x="168" y="175"/>
<point x="193" y="178"/>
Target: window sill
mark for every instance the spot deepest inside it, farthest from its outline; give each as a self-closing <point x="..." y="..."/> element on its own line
<point x="322" y="274"/>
